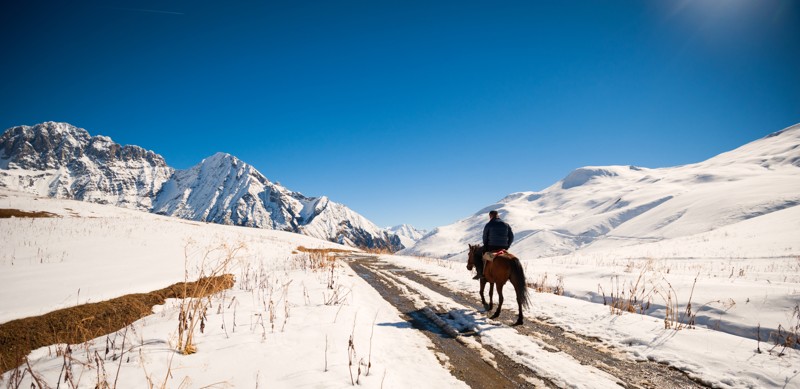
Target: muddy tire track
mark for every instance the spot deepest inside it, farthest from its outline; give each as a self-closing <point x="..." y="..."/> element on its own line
<point x="469" y="366"/>
<point x="466" y="364"/>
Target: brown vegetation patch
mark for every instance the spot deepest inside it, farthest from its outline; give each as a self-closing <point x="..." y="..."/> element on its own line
<point x="304" y="249"/>
<point x="7" y="213"/>
<point x="88" y="321"/>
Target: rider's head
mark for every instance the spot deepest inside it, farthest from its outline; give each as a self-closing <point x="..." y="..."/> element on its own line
<point x="492" y="214"/>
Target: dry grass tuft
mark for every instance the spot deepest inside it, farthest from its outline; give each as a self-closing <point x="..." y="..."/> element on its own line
<point x="378" y="250"/>
<point x="192" y="311"/>
<point x="635" y="296"/>
<point x="88" y="321"/>
<point x="541" y="285"/>
<point x="317" y="259"/>
<point x="304" y="249"/>
<point x="787" y="337"/>
<point x="8" y="213"/>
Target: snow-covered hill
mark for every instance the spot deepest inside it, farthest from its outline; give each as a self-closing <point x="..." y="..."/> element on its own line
<point x="62" y="161"/>
<point x="285" y="316"/>
<point x="608" y="207"/>
<point x="408" y="234"/>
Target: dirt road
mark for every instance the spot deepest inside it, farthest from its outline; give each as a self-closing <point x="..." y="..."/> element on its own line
<point x="456" y="324"/>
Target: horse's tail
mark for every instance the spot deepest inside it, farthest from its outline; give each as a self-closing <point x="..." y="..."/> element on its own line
<point x="518" y="278"/>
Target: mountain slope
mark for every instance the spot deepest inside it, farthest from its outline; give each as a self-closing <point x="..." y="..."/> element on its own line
<point x="408" y="234"/>
<point x="221" y="189"/>
<point x="611" y="206"/>
<point x="62" y="161"/>
<point x="59" y="160"/>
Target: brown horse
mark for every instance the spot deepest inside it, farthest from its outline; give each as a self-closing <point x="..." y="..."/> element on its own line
<point x="503" y="268"/>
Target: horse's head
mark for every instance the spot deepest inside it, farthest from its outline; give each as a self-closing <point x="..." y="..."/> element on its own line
<point x="471" y="257"/>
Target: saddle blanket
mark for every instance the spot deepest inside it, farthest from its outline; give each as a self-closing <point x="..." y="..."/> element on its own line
<point x="488" y="257"/>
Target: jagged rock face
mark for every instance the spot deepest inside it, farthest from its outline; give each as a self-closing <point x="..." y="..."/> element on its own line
<point x="52" y="145"/>
<point x="71" y="164"/>
<point x="340" y="224"/>
<point x="360" y="237"/>
<point x="60" y="160"/>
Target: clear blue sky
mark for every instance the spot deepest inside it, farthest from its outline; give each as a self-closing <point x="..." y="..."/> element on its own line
<point x="419" y="112"/>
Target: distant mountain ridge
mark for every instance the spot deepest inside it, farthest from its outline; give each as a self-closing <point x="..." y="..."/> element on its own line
<point x="62" y="161"/>
<point x="607" y="207"/>
<point x="408" y="234"/>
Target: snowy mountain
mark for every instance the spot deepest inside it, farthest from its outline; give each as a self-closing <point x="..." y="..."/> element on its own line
<point x="608" y="207"/>
<point x="62" y="161"/>
<point x="408" y="234"/>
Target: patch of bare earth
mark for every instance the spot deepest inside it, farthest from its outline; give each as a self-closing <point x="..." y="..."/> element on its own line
<point x="9" y="213"/>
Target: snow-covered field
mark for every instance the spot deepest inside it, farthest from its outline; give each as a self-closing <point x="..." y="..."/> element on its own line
<point x="282" y="326"/>
<point x="716" y="358"/>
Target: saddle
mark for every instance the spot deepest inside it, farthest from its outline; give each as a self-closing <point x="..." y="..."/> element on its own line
<point x="489" y="257"/>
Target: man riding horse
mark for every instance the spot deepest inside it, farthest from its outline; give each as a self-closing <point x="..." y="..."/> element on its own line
<point x="497" y="235"/>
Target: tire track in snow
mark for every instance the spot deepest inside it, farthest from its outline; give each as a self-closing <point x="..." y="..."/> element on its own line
<point x="467" y="360"/>
<point x="556" y="367"/>
<point x="500" y="347"/>
<point x="461" y="313"/>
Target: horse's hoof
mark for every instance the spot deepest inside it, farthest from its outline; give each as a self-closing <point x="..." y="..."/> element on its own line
<point x="495" y="316"/>
<point x="518" y="323"/>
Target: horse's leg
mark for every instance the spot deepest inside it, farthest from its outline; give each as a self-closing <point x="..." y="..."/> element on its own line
<point x="519" y="303"/>
<point x="499" y="300"/>
<point x="483" y="299"/>
<point x="491" y="296"/>
<point x="487" y="270"/>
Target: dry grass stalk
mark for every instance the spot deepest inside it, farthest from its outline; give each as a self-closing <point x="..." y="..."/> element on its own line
<point x="102" y="377"/>
<point x="15" y="379"/>
<point x="637" y="296"/>
<point x="787" y="337"/>
<point x="326" y="353"/>
<point x="35" y="378"/>
<point x="336" y="297"/>
<point x="192" y="310"/>
<point x="372" y="333"/>
<point x="122" y="354"/>
<point x="351" y="351"/>
<point x="541" y="285"/>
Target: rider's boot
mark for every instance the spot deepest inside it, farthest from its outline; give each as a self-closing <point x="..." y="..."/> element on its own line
<point x="479" y="268"/>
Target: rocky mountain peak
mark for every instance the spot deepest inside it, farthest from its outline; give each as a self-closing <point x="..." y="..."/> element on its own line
<point x="52" y="145"/>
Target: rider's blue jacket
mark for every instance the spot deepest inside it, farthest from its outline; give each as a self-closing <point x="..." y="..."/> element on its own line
<point x="497" y="233"/>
